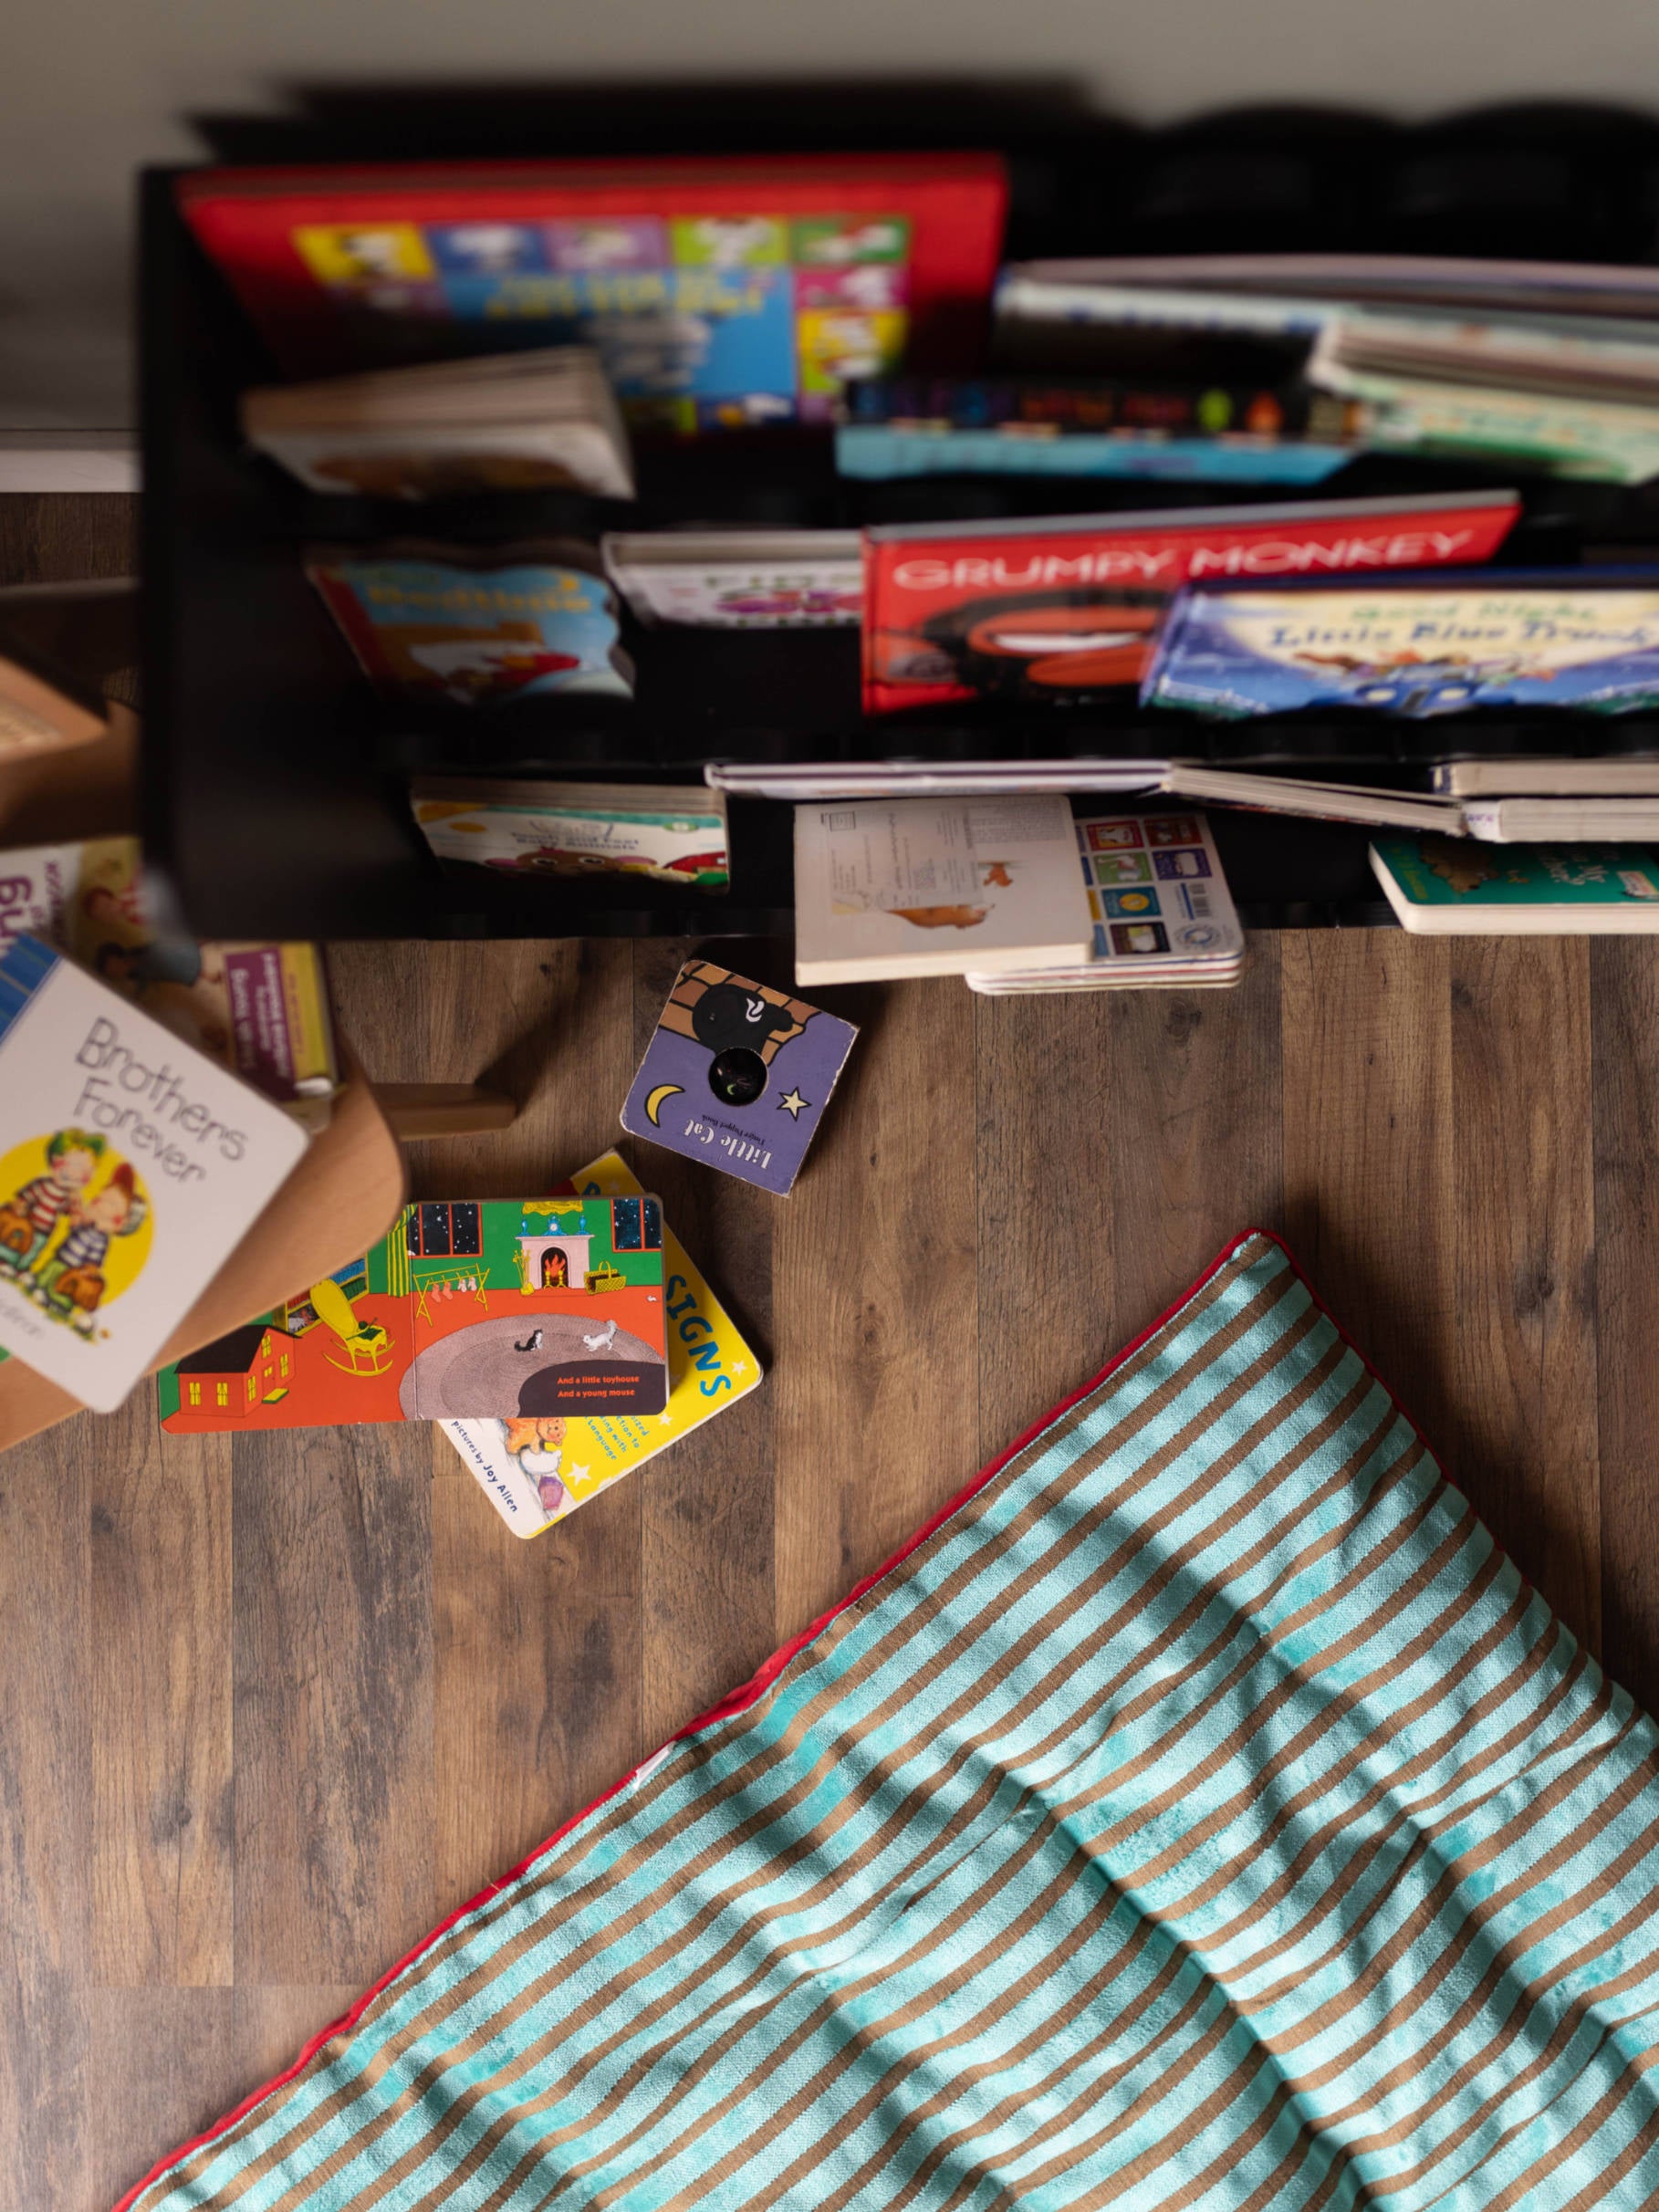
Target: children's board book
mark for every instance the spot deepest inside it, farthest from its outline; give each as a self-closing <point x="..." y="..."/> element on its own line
<point x="529" y="1309"/>
<point x="720" y="292"/>
<point x="1465" y="890"/>
<point x="483" y="629"/>
<point x="1558" y="287"/>
<point x="740" y="580"/>
<point x="1163" y="912"/>
<point x="1535" y="821"/>
<point x="537" y="422"/>
<point x="1067" y="608"/>
<point x="1603" y="777"/>
<point x="534" y="1472"/>
<point x="917" y="426"/>
<point x="1413" y="649"/>
<point x="260" y="1009"/>
<point x="737" y="1075"/>
<point x="671" y="833"/>
<point x="936" y="887"/>
<point x="131" y="1165"/>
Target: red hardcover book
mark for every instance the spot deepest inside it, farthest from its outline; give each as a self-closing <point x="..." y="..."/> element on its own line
<point x="1067" y="608"/>
<point x="719" y="293"/>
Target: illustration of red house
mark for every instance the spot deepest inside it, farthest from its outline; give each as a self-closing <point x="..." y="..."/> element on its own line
<point x="235" y="1372"/>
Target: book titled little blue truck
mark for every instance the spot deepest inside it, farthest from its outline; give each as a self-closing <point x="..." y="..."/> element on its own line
<point x="1414" y="651"/>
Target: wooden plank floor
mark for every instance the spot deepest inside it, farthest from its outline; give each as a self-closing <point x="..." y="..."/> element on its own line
<point x="271" y="1706"/>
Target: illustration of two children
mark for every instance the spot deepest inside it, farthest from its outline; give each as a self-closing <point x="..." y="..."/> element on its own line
<point x="69" y="1282"/>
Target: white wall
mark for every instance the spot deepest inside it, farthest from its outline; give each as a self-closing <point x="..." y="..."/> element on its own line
<point x="91" y="88"/>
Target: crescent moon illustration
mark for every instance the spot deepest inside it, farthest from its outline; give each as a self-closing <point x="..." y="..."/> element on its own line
<point x="654" y="1103"/>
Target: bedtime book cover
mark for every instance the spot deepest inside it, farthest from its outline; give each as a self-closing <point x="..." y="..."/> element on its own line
<point x="1415" y="650"/>
<point x="129" y="1167"/>
<point x="1063" y="610"/>
<point x="539" y="1308"/>
<point x="737" y="1075"/>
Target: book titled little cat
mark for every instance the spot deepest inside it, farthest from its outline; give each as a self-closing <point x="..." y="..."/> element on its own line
<point x="131" y="1165"/>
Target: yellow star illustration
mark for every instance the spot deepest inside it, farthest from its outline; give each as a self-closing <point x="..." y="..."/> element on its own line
<point x="793" y="1104"/>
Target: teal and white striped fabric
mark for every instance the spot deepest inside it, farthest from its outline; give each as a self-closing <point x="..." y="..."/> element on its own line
<point x="1203" y="1814"/>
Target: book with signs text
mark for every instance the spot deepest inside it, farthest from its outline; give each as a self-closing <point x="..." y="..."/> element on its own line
<point x="535" y="1471"/>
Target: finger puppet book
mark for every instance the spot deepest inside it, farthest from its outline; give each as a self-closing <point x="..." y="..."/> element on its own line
<point x="522" y="421"/>
<point x="261" y="1010"/>
<point x="1446" y="887"/>
<point x="1066" y="608"/>
<point x="671" y="833"/>
<point x="131" y="1165"/>
<point x="1163" y="912"/>
<point x="935" y="887"/>
<point x="535" y="1308"/>
<point x="740" y="580"/>
<point x="737" y="1075"/>
<point x="721" y="293"/>
<point x="1415" y="649"/>
<point x="535" y="1471"/>
<point x="483" y="629"/>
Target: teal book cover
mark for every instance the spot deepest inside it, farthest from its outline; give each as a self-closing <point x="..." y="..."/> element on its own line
<point x="1448" y="872"/>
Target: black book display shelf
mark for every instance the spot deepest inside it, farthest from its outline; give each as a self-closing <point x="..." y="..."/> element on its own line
<point x="275" y="782"/>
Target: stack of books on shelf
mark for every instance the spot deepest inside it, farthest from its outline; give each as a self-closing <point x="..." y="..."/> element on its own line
<point x="1550" y="366"/>
<point x="855" y="304"/>
<point x="1012" y="893"/>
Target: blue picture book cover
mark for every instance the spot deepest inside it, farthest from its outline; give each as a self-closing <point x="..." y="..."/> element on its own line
<point x="1413" y="647"/>
<point x="480" y="630"/>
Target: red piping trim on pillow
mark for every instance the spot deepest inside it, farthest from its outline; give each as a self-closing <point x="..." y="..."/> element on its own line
<point x="748" y="1694"/>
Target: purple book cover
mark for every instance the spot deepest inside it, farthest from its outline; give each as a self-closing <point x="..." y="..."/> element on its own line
<point x="736" y="1075"/>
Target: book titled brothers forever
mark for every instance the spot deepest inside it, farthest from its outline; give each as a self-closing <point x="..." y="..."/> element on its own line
<point x="131" y="1165"/>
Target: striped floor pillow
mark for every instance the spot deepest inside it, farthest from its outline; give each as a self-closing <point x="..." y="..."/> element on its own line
<point x="1201" y="1813"/>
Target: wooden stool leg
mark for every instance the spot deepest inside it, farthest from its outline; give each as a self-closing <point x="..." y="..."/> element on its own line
<point x="442" y="1110"/>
